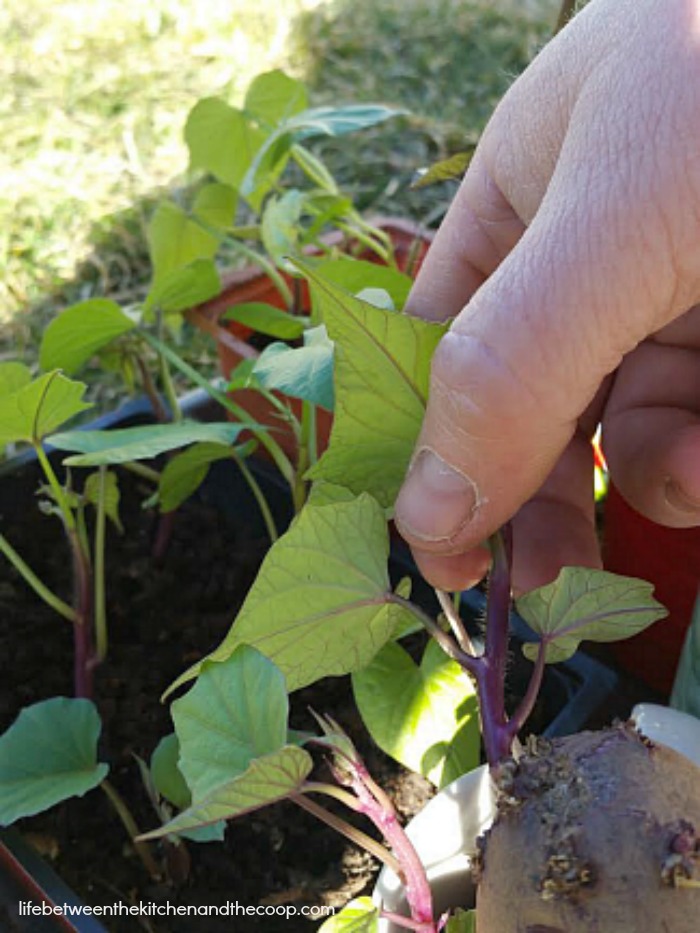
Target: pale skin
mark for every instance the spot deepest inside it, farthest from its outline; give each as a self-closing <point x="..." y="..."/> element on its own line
<point x="570" y="262"/>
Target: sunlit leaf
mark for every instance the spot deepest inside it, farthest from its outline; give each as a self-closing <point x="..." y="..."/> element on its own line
<point x="584" y="604"/>
<point x="216" y="204"/>
<point x="382" y="374"/>
<point x="97" y="448"/>
<point x="321" y="603"/>
<point x="13" y="377"/>
<point x="48" y="755"/>
<point x="463" y="921"/>
<point x="186" y="287"/>
<point x="274" y="96"/>
<point x="353" y="275"/>
<point x="425" y="716"/>
<point x="359" y="916"/>
<point x="77" y="333"/>
<point x="39" y="407"/>
<point x="446" y="170"/>
<point x="175" y="241"/>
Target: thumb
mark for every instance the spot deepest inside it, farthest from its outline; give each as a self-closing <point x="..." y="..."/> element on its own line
<point x="526" y="356"/>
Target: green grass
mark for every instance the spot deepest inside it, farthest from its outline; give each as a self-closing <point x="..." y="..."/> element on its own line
<point x="93" y="97"/>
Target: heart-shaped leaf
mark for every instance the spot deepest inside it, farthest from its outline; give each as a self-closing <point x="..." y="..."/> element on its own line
<point x="180" y="289"/>
<point x="13" y="377"/>
<point x="321" y="603"/>
<point x="216" y="204"/>
<point x="37" y="408"/>
<point x="274" y="96"/>
<point x="235" y="712"/>
<point x="97" y="448"/>
<point x="585" y="604"/>
<point x="48" y="755"/>
<point x="425" y="716"/>
<point x="80" y="331"/>
<point x="382" y="366"/>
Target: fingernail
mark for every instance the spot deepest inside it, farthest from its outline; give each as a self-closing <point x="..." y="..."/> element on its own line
<point x="436" y="500"/>
<point x="679" y="499"/>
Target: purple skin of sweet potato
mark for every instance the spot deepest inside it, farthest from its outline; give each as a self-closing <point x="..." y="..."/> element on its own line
<point x="595" y="833"/>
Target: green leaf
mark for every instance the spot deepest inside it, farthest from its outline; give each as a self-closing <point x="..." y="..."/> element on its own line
<point x="48" y="755"/>
<point x="216" y="205"/>
<point x="303" y="372"/>
<point x="317" y="121"/>
<point x="445" y="170"/>
<point x="686" y="687"/>
<point x="13" y="377"/>
<point x="37" y="408"/>
<point x="91" y="491"/>
<point x="223" y="141"/>
<point x="186" y="471"/>
<point x="269" y="778"/>
<point x="236" y="712"/>
<point x="382" y="367"/>
<point x="274" y="96"/>
<point x="266" y="319"/>
<point x="353" y="275"/>
<point x="320" y="605"/>
<point x="327" y="493"/>
<point x="584" y="604"/>
<point x="424" y="716"/>
<point x="80" y="331"/>
<point x="463" y="921"/>
<point x="169" y="782"/>
<point x="378" y="297"/>
<point x="184" y="288"/>
<point x="165" y="772"/>
<point x="359" y="916"/>
<point x="97" y="448"/>
<point x="280" y="226"/>
<point x="175" y="241"/>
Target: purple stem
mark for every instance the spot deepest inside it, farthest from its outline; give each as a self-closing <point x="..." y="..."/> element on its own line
<point x="491" y="673"/>
<point x="527" y="703"/>
<point x="83" y="653"/>
<point x="376" y="805"/>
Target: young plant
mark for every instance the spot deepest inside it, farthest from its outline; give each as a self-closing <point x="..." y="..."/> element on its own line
<point x="270" y="199"/>
<point x="322" y="606"/>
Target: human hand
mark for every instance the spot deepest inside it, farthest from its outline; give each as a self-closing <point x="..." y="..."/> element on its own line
<point x="571" y="259"/>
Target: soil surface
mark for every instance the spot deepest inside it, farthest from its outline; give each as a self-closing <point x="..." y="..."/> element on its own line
<point x="161" y="619"/>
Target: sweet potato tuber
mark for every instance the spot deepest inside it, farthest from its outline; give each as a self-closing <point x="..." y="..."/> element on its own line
<point x="595" y="833"/>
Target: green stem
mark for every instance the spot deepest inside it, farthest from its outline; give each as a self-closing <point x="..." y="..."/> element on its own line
<point x="140" y="469"/>
<point x="167" y="379"/>
<point x="361" y="233"/>
<point x="101" y="638"/>
<point x="56" y="488"/>
<point x="259" y="496"/>
<point x="258" y="431"/>
<point x="309" y="436"/>
<point x="268" y="268"/>
<point x="350" y="832"/>
<point x="40" y="588"/>
<point x="142" y="849"/>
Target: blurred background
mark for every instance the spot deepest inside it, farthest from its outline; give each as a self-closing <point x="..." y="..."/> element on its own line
<point x="94" y="95"/>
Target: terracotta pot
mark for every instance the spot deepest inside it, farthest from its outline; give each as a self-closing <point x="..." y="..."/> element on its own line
<point x="252" y="284"/>
<point x="670" y="559"/>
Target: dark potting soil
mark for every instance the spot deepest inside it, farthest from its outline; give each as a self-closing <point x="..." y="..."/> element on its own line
<point x="162" y="619"/>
